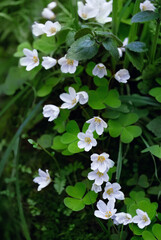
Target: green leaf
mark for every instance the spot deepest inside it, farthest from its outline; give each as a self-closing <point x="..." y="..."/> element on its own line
<point x="57" y="144"/>
<point x="82" y="32"/>
<point x="45" y="141"/>
<point x="144" y="16"/>
<point x="82" y="49"/>
<point x="111" y="47"/>
<point x="156" y="92"/>
<point x="112" y="99"/>
<point x="47" y="87"/>
<point x="154" y="126"/>
<point x="156" y="229"/>
<point x="68" y="138"/>
<point x="100" y="82"/>
<point x="73" y="147"/>
<point x="20" y="48"/>
<point x="72" y="127"/>
<point x="154" y="190"/>
<point x="136" y="59"/>
<point x="59" y="184"/>
<point x="76" y="191"/>
<point x="148" y="236"/>
<point x="143" y="181"/>
<point x="155" y="150"/>
<point x="45" y="44"/>
<point x="90" y="198"/>
<point x="74" y="204"/>
<point x="89" y="68"/>
<point x="136" y="46"/>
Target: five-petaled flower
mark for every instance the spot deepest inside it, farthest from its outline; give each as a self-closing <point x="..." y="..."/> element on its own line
<point x="101" y="162"/>
<point x="99" y="70"/>
<point x="68" y="65"/>
<point x="51" y="28"/>
<point x="70" y="100"/>
<point x="122" y="75"/>
<point x="147" y="6"/>
<point x="43" y="180"/>
<point x="50" y="111"/>
<point x="111" y="191"/>
<point x="98" y="176"/>
<point x="105" y="211"/>
<point x="142" y="219"/>
<point x="97" y="124"/>
<point x="87" y="140"/>
<point x="31" y="60"/>
<point x="122" y="218"/>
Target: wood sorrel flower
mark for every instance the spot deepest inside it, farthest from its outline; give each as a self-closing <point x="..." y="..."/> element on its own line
<point x="70" y="99"/>
<point x="67" y="65"/>
<point x="43" y="180"/>
<point x="31" y="60"/>
<point x="112" y="191"/>
<point x="98" y="176"/>
<point x="97" y="124"/>
<point x="48" y="62"/>
<point x="101" y="162"/>
<point x="50" y="111"/>
<point x="37" y="29"/>
<point x="86" y="11"/>
<point x="105" y="211"/>
<point x="86" y="141"/>
<point x="83" y="97"/>
<point x="122" y="75"/>
<point x="99" y="70"/>
<point x="51" y="28"/>
<point x="147" y="6"/>
<point x="122" y="218"/>
<point x="52" y="5"/>
<point x="96" y="188"/>
<point x="48" y="14"/>
<point x="142" y="219"/>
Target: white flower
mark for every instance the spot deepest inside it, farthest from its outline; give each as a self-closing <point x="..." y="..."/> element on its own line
<point x="104" y="11"/>
<point x="122" y="218"/>
<point x="96" y="188"/>
<point x="101" y="162"/>
<point x="86" y="12"/>
<point x="43" y="180"/>
<point x="147" y="6"/>
<point x="37" y="29"/>
<point x="122" y="49"/>
<point x="112" y="191"/>
<point x="97" y="124"/>
<point x="68" y="65"/>
<point x="70" y="99"/>
<point x="52" y="5"/>
<point x="51" y="28"/>
<point x="31" y="60"/>
<point x="51" y="111"/>
<point x="98" y="176"/>
<point x="83" y="97"/>
<point x="122" y="75"/>
<point x="141" y="219"/>
<point x="48" y="14"/>
<point x="48" y="62"/>
<point x="87" y="140"/>
<point x="99" y="70"/>
<point x="105" y="211"/>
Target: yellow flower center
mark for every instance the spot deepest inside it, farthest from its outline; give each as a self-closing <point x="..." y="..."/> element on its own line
<point x="145" y="219"/>
<point x="144" y="8"/>
<point x="88" y="140"/>
<point x="70" y="62"/>
<point x="47" y="178"/>
<point x="100" y="67"/>
<point x="108" y="214"/>
<point x="101" y="159"/>
<point x="100" y="174"/>
<point x="53" y="30"/>
<point x="84" y="15"/>
<point x="109" y="191"/>
<point x="97" y="120"/>
<point x="74" y="101"/>
<point x="35" y="59"/>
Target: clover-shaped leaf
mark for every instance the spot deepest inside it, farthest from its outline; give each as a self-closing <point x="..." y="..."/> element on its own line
<point x="121" y="127"/>
<point x="77" y="200"/>
<point x="156" y="229"/>
<point x="155" y="150"/>
<point x="156" y="92"/>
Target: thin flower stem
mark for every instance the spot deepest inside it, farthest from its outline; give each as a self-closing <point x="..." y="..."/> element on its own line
<point x="154" y="42"/>
<point x="114" y="16"/>
<point x="114" y="226"/>
<point x="63" y="9"/>
<point x="121" y="234"/>
<point x="86" y="113"/>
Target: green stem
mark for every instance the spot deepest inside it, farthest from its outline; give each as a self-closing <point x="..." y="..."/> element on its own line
<point x="114" y="16"/>
<point x="154" y="44"/>
<point x="63" y="9"/>
<point x="121" y="234"/>
<point x="119" y="162"/>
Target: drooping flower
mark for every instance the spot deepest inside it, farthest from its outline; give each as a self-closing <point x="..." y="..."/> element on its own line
<point x="97" y="124"/>
<point x="105" y="211"/>
<point x="51" y="28"/>
<point x="105" y="9"/>
<point x="147" y="6"/>
<point x="122" y="218"/>
<point x="122" y="75"/>
<point x="68" y="65"/>
<point x="37" y="29"/>
<point x="121" y="50"/>
<point x="43" y="180"/>
<point x="87" y="140"/>
<point x="48" y="14"/>
<point x="96" y="188"/>
<point x="70" y="99"/>
<point x="52" y="5"/>
<point x="86" y="12"/>
<point x="98" y="176"/>
<point x="83" y="97"/>
<point x="48" y="62"/>
<point x="112" y="191"/>
<point x="50" y="111"/>
<point x="31" y="60"/>
<point x="142" y="219"/>
<point x="99" y="70"/>
<point x="101" y="162"/>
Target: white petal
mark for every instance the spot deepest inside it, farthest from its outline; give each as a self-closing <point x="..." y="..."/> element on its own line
<point x="102" y="207"/>
<point x="81" y="144"/>
<point x="99" y="214"/>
